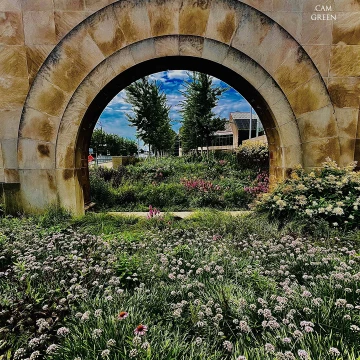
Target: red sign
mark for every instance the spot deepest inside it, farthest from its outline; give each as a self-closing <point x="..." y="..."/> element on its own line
<point x="90" y="158"/>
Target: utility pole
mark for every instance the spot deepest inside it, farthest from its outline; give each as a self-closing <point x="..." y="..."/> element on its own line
<point x="257" y="127"/>
<point x="250" y="122"/>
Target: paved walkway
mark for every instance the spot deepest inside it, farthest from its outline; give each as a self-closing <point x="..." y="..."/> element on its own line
<point x="180" y="214"/>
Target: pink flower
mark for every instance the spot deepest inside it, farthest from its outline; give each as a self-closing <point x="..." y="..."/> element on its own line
<point x="122" y="315"/>
<point x="140" y="330"/>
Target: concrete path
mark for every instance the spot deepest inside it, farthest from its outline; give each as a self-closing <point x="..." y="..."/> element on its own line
<point x="180" y="214"/>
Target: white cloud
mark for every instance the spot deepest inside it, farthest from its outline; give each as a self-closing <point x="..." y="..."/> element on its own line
<point x="177" y="74"/>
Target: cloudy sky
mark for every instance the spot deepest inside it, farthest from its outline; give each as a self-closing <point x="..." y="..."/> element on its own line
<point x="113" y="119"/>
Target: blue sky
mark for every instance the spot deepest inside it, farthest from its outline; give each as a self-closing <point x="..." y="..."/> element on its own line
<point x="113" y="119"/>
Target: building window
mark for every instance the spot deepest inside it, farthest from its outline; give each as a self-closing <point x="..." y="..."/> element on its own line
<point x="222" y="140"/>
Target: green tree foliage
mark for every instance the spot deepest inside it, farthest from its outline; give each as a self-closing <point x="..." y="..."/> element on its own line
<point x="104" y="143"/>
<point x="199" y="121"/>
<point x="151" y="115"/>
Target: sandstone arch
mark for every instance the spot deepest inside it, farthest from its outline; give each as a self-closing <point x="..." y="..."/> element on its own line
<point x="104" y="52"/>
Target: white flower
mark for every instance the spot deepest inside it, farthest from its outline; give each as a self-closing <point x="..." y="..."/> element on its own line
<point x="338" y="211"/>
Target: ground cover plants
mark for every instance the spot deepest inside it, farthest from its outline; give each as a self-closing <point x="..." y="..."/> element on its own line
<point x="329" y="195"/>
<point x="208" y="287"/>
<point x="172" y="183"/>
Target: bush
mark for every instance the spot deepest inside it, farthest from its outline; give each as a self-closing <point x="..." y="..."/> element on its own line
<point x="331" y="194"/>
<point x="253" y="155"/>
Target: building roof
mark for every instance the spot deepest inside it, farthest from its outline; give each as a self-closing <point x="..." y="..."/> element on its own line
<point x="242" y="120"/>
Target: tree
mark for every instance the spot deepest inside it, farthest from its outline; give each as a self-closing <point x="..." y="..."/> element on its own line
<point x="103" y="142"/>
<point x="151" y="114"/>
<point x="98" y="141"/>
<point x="199" y="121"/>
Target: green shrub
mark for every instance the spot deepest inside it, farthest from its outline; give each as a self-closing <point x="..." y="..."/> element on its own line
<point x="331" y="194"/>
<point x="253" y="155"/>
<point x="102" y="192"/>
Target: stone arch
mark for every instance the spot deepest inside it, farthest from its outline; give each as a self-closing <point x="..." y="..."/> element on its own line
<point x="127" y="39"/>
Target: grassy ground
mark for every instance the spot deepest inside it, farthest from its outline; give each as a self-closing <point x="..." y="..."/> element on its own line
<point x="174" y="184"/>
<point x="208" y="287"/>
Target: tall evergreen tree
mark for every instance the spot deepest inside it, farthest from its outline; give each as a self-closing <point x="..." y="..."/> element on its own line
<point x="151" y="114"/>
<point x="199" y="121"/>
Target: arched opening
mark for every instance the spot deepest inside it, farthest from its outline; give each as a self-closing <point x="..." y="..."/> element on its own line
<point x="175" y="63"/>
<point x="230" y="40"/>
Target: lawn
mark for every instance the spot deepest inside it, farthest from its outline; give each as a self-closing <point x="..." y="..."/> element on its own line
<point x="207" y="287"/>
<point x="175" y="184"/>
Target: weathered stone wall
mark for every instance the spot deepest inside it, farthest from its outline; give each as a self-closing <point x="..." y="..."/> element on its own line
<point x="322" y="92"/>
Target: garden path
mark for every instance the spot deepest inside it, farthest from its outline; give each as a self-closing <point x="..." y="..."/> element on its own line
<point x="181" y="214"/>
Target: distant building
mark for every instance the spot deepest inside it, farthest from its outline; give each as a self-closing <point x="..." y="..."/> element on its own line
<point x="236" y="131"/>
<point x="240" y="125"/>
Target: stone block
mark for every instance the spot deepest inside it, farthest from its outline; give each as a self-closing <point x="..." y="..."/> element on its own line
<point x="95" y="5"/>
<point x="13" y="92"/>
<point x="35" y="56"/>
<point x="318" y="124"/>
<point x="72" y="61"/>
<point x="65" y="21"/>
<point x="106" y="32"/>
<point x="315" y="152"/>
<point x="68" y="135"/>
<point x="214" y="51"/>
<point x="9" y="153"/>
<point x="133" y="19"/>
<point x="288" y="6"/>
<point x="262" y="5"/>
<point x="13" y="61"/>
<point x="9" y="123"/>
<point x="292" y="156"/>
<point x="35" y="154"/>
<point x="164" y="17"/>
<point x="47" y="98"/>
<point x="2" y="180"/>
<point x="346" y="29"/>
<point x="70" y="5"/>
<point x="167" y="46"/>
<point x="143" y="50"/>
<point x="11" y="176"/>
<point x="271" y="92"/>
<point x="36" y="5"/>
<point x="194" y="17"/>
<point x="252" y="30"/>
<point x="38" y="189"/>
<point x="315" y="93"/>
<point x="70" y="191"/>
<point x="316" y="32"/>
<point x="236" y="61"/>
<point x="45" y="129"/>
<point x="39" y="27"/>
<point x="282" y="112"/>
<point x="320" y="55"/>
<point x="346" y="5"/>
<point x="10" y="5"/>
<point x="347" y="147"/>
<point x="290" y="21"/>
<point x="97" y="79"/>
<point x="296" y="69"/>
<point x="11" y="28"/>
<point x="347" y="120"/>
<point x="191" y="46"/>
<point x="289" y="134"/>
<point x="344" y="91"/>
<point x="223" y="20"/>
<point x="345" y="61"/>
<point x="121" y="61"/>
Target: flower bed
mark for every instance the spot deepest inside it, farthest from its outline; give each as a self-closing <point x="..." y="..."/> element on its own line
<point x="330" y="194"/>
<point x="178" y="293"/>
